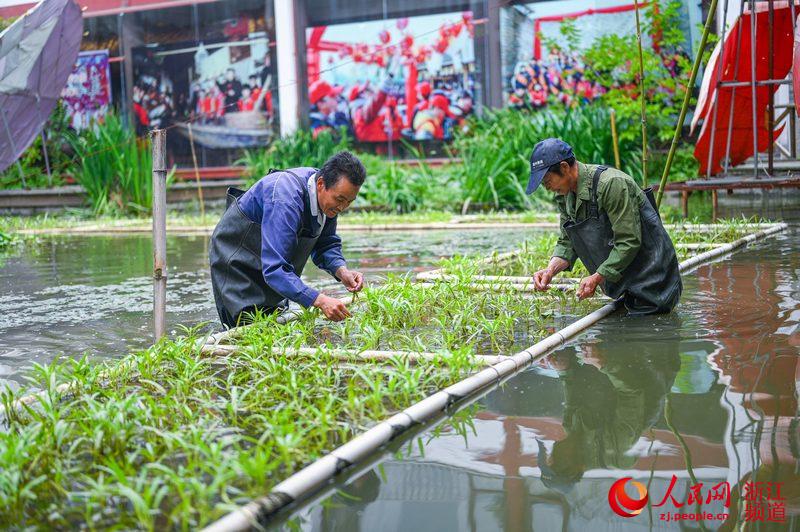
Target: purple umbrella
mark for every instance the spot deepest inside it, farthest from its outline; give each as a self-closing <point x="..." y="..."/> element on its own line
<point x="37" y="53"/>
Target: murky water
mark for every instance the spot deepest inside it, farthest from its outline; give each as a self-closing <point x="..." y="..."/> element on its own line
<point x="689" y="405"/>
<point x="93" y="294"/>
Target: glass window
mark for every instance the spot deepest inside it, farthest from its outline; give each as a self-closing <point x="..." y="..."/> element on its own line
<point x="206" y="72"/>
<point x="393" y="73"/>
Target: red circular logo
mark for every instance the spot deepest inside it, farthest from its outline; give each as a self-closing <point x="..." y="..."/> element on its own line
<point x="621" y="503"/>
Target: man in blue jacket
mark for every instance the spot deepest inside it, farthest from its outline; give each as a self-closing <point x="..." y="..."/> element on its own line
<point x="267" y="234"/>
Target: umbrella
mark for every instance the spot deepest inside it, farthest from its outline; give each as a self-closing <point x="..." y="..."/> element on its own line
<point x="37" y="53"/>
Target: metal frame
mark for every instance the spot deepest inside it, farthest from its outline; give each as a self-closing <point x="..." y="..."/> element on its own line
<point x="753" y="83"/>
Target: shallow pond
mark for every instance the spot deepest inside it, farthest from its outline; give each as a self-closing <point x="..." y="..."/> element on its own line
<point x="93" y="294"/>
<point x="689" y="405"/>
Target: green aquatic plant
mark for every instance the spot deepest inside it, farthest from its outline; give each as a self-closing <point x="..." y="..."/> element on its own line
<point x="116" y="168"/>
<point x="171" y="437"/>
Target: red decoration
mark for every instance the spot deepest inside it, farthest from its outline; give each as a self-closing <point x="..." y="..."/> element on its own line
<point x="385" y="36"/>
<point x="441" y="46"/>
<point x="407" y="42"/>
<point x="402" y="23"/>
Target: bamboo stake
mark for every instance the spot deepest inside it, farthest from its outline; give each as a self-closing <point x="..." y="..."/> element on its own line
<point x="642" y="88"/>
<point x="197" y="174"/>
<point x="614" y="138"/>
<point x="159" y="232"/>
<point x="686" y="99"/>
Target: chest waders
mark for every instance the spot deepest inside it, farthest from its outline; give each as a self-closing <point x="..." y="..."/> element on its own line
<point x="651" y="284"/>
<point x="235" y="256"/>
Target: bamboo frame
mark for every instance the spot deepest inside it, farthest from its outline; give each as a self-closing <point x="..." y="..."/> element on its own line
<point x="313" y="477"/>
<point x="686" y="98"/>
<point x="350" y="355"/>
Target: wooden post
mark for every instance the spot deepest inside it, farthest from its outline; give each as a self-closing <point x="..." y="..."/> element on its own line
<point x="614" y="138"/>
<point x="642" y="96"/>
<point x="684" y="202"/>
<point x="197" y="174"/>
<point x="714" y="204"/>
<point x="159" y="140"/>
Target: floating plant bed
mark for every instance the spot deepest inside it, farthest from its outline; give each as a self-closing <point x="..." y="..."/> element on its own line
<point x="534" y="254"/>
<point x="177" y="435"/>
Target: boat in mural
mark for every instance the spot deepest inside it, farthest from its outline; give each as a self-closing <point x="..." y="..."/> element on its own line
<point x="245" y="129"/>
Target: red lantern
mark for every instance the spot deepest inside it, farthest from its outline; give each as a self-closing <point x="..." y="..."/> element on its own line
<point x="380" y="60"/>
<point x="402" y="23"/>
<point x="391" y="49"/>
<point x="441" y="46"/>
<point x="385" y="36"/>
<point x="455" y="29"/>
<point x="407" y="42"/>
<point x="466" y="16"/>
<point x="444" y="31"/>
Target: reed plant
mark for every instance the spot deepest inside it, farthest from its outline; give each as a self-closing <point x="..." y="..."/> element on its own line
<point x="495" y="150"/>
<point x="115" y="168"/>
<point x="301" y="148"/>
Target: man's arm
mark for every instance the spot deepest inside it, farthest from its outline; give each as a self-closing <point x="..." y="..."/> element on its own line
<point x="280" y="226"/>
<point x="327" y="253"/>
<point x="622" y="209"/>
<point x="563" y="255"/>
<point x="563" y="247"/>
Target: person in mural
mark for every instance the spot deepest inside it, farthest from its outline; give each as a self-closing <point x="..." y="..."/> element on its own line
<point x="423" y="93"/>
<point x="375" y="114"/>
<point x="260" y="94"/>
<point x="231" y="89"/>
<point x="612" y="226"/>
<point x="434" y="122"/>
<point x="325" y="114"/>
<point x="260" y="246"/>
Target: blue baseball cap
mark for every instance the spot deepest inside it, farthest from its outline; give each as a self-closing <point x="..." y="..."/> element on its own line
<point x="545" y="154"/>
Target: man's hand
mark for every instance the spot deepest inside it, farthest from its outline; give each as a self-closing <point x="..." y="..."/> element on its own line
<point x="589" y="285"/>
<point x="542" y="278"/>
<point x="352" y="280"/>
<point x="334" y="309"/>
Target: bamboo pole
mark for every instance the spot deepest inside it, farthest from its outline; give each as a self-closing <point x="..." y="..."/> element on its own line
<point x="642" y="89"/>
<point x="369" y="355"/>
<point x="686" y="99"/>
<point x="159" y="138"/>
<point x="308" y="480"/>
<point x="614" y="138"/>
<point x="197" y="174"/>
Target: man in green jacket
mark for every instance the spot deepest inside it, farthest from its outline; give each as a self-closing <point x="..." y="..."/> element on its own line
<point x="609" y="223"/>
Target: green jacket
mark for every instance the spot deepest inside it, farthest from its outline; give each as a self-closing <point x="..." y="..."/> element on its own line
<point x="621" y="198"/>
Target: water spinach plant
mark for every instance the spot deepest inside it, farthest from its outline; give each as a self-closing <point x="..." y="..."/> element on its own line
<point x="173" y="438"/>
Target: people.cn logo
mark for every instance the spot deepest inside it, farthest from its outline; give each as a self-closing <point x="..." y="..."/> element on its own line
<point x="621" y="503"/>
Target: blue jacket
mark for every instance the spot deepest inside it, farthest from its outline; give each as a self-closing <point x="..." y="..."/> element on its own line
<point x="276" y="202"/>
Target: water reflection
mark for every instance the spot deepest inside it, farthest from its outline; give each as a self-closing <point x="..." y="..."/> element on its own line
<point x="683" y="403"/>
